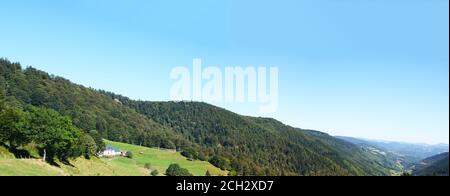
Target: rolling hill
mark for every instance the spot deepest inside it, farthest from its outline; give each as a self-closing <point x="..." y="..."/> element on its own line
<point x="240" y="144"/>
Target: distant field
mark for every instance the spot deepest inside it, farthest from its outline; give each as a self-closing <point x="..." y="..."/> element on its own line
<point x="119" y="166"/>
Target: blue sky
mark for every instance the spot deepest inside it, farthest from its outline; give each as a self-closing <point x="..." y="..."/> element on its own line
<point x="365" y="68"/>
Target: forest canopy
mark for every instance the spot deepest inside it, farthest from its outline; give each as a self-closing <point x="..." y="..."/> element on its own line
<point x="53" y="134"/>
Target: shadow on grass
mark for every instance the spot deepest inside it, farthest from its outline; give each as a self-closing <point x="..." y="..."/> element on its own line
<point x="20" y="153"/>
<point x="67" y="162"/>
<point x="25" y="154"/>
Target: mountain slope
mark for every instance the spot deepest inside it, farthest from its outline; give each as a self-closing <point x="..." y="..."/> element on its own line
<point x="242" y="140"/>
<point x="243" y="145"/>
<point x="433" y="166"/>
<point x="88" y="109"/>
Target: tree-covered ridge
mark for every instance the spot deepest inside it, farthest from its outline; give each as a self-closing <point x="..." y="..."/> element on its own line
<point x="257" y="146"/>
<point x="242" y="145"/>
<point x="88" y="109"/>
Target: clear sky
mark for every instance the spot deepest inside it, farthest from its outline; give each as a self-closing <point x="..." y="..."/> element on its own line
<point x="366" y="68"/>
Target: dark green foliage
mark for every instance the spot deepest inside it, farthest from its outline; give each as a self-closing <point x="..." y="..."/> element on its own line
<point x="100" y="144"/>
<point x="54" y="133"/>
<point x="87" y="145"/>
<point x="129" y="154"/>
<point x="202" y="156"/>
<point x="176" y="170"/>
<point x="232" y="173"/>
<point x="154" y="173"/>
<point x="13" y="126"/>
<point x="47" y="129"/>
<point x="220" y="162"/>
<point x="189" y="153"/>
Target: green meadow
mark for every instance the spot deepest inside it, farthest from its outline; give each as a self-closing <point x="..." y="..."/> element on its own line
<point x="159" y="159"/>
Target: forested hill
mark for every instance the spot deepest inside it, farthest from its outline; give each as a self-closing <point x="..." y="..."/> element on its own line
<point x="255" y="145"/>
<point x="88" y="109"/>
<point x="432" y="166"/>
<point x="243" y="145"/>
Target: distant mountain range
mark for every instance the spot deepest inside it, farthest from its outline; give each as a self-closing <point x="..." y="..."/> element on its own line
<point x="413" y="150"/>
<point x="418" y="159"/>
<point x="240" y="144"/>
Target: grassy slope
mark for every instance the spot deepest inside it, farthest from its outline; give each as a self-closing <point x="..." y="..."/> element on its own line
<point x="9" y="166"/>
<point x="160" y="159"/>
<point x="119" y="166"/>
<point x="29" y="167"/>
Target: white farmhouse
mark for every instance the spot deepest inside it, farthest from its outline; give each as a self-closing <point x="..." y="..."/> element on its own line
<point x="111" y="152"/>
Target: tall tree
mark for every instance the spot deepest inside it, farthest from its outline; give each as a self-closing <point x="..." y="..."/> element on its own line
<point x="87" y="146"/>
<point x="53" y="133"/>
<point x="12" y="126"/>
<point x="176" y="170"/>
<point x="96" y="136"/>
